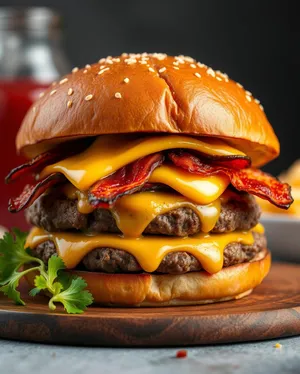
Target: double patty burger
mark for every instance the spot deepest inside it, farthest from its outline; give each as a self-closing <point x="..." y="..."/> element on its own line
<point x="145" y="171"/>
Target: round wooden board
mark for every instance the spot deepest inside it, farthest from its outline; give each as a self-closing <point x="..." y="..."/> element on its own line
<point x="271" y="311"/>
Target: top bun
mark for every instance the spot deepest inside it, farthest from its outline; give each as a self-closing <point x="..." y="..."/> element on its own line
<point x="146" y="93"/>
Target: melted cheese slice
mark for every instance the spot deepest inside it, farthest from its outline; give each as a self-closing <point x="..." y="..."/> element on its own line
<point x="133" y="213"/>
<point x="202" y="190"/>
<point x="109" y="153"/>
<point x="149" y="251"/>
<point x="82" y="197"/>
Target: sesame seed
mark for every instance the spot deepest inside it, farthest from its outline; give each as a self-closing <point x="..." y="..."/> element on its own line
<point x="42" y="94"/>
<point x="102" y="60"/>
<point x="126" y="80"/>
<point x="162" y="70"/>
<point x="239" y="85"/>
<point x="124" y="54"/>
<point x="84" y="71"/>
<point x="224" y="76"/>
<point x="211" y="72"/>
<point x="179" y="59"/>
<point x="116" y="59"/>
<point x="52" y="92"/>
<point x="256" y="101"/>
<point x="248" y="98"/>
<point x="63" y="81"/>
<point x="159" y="56"/>
<point x="248" y="93"/>
<point x="197" y="75"/>
<point x="188" y="58"/>
<point x="176" y="63"/>
<point x="70" y="91"/>
<point x="69" y="103"/>
<point x="176" y="67"/>
<point x="151" y="69"/>
<point x="219" y="79"/>
<point x="261" y="107"/>
<point x="201" y="65"/>
<point x="88" y="97"/>
<point x="193" y="66"/>
<point x="34" y="109"/>
<point x="102" y="71"/>
<point x="102" y="67"/>
<point x="118" y="95"/>
<point x="142" y="62"/>
<point x="130" y="61"/>
<point x="110" y="62"/>
<point x="88" y="66"/>
<point x="74" y="70"/>
<point x="108" y="57"/>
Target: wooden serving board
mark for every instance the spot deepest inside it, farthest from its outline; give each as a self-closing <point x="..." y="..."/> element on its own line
<point x="271" y="311"/>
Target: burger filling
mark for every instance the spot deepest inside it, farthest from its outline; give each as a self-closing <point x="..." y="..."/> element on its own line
<point x="55" y="212"/>
<point x="157" y="204"/>
<point x="113" y="260"/>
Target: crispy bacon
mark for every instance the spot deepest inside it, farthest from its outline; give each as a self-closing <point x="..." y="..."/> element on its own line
<point x="32" y="191"/>
<point x="127" y="180"/>
<point x="35" y="165"/>
<point x="234" y="162"/>
<point x="254" y="181"/>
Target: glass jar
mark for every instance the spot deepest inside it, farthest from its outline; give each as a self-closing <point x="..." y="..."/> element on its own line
<point x="31" y="57"/>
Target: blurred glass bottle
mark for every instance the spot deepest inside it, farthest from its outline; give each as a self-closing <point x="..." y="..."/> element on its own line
<point x="31" y="57"/>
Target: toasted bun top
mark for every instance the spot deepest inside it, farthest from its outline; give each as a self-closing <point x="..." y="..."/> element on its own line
<point x="148" y="93"/>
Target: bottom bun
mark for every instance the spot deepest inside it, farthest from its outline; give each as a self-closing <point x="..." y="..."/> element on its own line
<point x="192" y="288"/>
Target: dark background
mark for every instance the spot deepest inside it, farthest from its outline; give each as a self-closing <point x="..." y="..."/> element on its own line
<point x="256" y="42"/>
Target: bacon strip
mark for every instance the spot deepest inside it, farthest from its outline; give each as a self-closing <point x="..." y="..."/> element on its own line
<point x="32" y="191"/>
<point x="127" y="180"/>
<point x="254" y="181"/>
<point x="233" y="162"/>
<point x="33" y="166"/>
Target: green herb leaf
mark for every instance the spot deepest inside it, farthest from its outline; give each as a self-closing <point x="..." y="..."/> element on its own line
<point x="13" y="255"/>
<point x="34" y="291"/>
<point x="70" y="291"/>
<point x="40" y="282"/>
<point x="10" y="289"/>
<point x="55" y="264"/>
<point x="75" y="299"/>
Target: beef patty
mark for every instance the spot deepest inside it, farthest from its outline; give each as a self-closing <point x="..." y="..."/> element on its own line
<point x="58" y="213"/>
<point x="111" y="260"/>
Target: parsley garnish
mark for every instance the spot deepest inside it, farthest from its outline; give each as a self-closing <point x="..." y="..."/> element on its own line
<point x="68" y="290"/>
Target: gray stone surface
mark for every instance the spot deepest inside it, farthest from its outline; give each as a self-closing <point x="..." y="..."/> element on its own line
<point x="260" y="357"/>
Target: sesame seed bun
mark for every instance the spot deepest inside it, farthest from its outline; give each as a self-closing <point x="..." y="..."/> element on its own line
<point x="148" y="94"/>
<point x="233" y="282"/>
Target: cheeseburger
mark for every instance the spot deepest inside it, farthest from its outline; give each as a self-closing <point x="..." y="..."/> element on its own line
<point x="145" y="169"/>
